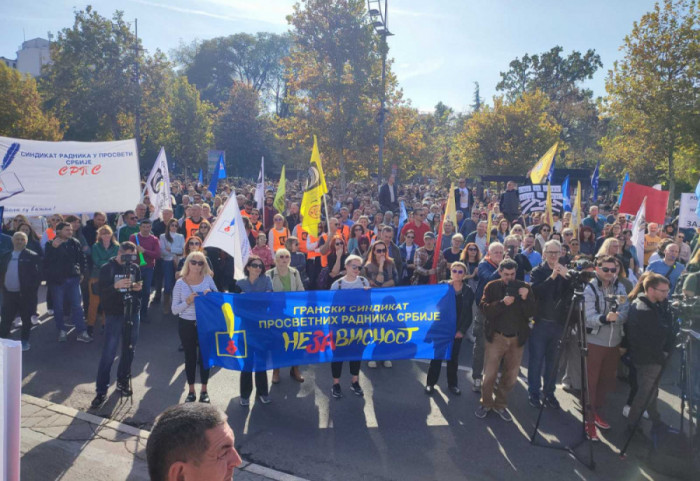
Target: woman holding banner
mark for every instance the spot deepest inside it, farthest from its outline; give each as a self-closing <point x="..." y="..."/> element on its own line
<point x="285" y="279"/>
<point x="464" y="297"/>
<point x="196" y="280"/>
<point x="255" y="281"/>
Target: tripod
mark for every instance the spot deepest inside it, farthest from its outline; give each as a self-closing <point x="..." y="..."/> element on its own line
<point x="127" y="351"/>
<point x="575" y="320"/>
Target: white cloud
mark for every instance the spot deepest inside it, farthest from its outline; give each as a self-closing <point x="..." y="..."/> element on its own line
<point x="229" y="11"/>
<point x="407" y="71"/>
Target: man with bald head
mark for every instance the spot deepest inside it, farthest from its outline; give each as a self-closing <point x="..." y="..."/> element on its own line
<point x="651" y="241"/>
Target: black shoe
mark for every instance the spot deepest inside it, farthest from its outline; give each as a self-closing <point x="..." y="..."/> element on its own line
<point x="191" y="397"/>
<point x="534" y="401"/>
<point x="551" y="402"/>
<point x="124" y="388"/>
<point x="98" y="401"/>
<point x="455" y="390"/>
<point x="355" y="387"/>
<point x="156" y="300"/>
<point x="90" y="330"/>
<point x="336" y="391"/>
<point x="429" y="390"/>
<point x="204" y="397"/>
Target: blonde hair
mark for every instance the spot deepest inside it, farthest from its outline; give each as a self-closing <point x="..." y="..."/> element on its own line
<point x="196" y="256"/>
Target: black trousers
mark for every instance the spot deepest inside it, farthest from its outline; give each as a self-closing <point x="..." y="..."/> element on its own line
<point x="337" y="368"/>
<point x="14" y="303"/>
<point x="190" y="342"/>
<point x="247" y="383"/>
<point x="452" y="365"/>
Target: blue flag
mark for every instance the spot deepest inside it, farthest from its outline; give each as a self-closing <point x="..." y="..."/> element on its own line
<point x="594" y="181"/>
<point x="550" y="174"/>
<point x="697" y="195"/>
<point x="403" y="217"/>
<point x="221" y="168"/>
<point x="200" y="179"/>
<point x="622" y="190"/>
<point x="267" y="330"/>
<point x="566" y="197"/>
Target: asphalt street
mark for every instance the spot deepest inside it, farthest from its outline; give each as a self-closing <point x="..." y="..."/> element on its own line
<point x="395" y="432"/>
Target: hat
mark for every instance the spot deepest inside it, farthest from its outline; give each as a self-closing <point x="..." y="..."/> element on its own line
<point x="428" y="235"/>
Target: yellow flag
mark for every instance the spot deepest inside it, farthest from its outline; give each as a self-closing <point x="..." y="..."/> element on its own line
<point x="489" y="227"/>
<point x="541" y="169"/>
<point x="451" y="210"/>
<point x="281" y="191"/>
<point x="230" y="319"/>
<point x="313" y="191"/>
<point x="548" y="205"/>
<point x="576" y="217"/>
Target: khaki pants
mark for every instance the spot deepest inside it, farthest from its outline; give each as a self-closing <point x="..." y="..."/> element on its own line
<point x="505" y="349"/>
<point x="94" y="304"/>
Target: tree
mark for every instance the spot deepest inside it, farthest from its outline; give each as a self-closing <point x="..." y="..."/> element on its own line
<point x="192" y="121"/>
<point x="215" y="65"/>
<point x="571" y="105"/>
<point x="90" y="85"/>
<point x="507" y="138"/>
<point x="240" y="131"/>
<point x="652" y="95"/>
<point x="21" y="114"/>
<point x="476" y="106"/>
<point x="334" y="83"/>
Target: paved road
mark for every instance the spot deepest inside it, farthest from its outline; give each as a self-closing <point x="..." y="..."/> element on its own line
<point x="394" y="433"/>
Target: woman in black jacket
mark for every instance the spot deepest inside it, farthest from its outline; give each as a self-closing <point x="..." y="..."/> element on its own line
<point x="464" y="297"/>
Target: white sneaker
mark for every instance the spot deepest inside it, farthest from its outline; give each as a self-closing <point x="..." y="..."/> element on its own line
<point x="84" y="337"/>
<point x="372" y="364"/>
<point x="49" y="312"/>
<point x="626" y="412"/>
<point x="62" y="336"/>
<point x="17" y="322"/>
<point x="476" y="387"/>
<point x="388" y="364"/>
<point x="35" y="319"/>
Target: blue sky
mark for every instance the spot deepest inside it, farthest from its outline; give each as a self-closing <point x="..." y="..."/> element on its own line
<point x="440" y="47"/>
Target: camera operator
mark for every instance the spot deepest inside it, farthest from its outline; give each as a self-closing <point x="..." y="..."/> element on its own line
<point x="650" y="335"/>
<point x="550" y="284"/>
<point x="118" y="279"/>
<point x="605" y="316"/>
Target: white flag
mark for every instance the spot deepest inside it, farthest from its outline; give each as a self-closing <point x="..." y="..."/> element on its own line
<point x="158" y="185"/>
<point x="259" y="196"/>
<point x="228" y="234"/>
<point x="638" y="232"/>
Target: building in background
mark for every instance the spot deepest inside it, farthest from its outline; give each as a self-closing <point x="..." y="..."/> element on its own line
<point x="31" y="56"/>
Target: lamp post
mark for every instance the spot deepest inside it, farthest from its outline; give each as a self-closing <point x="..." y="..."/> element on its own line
<point x="379" y="17"/>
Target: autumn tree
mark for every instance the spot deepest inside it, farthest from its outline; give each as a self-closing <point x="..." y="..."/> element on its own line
<point x="21" y="113"/>
<point x="652" y="96"/>
<point x="507" y="138"/>
<point x="333" y="84"/>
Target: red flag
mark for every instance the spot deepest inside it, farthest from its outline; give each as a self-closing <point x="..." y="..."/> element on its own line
<point x="657" y="201"/>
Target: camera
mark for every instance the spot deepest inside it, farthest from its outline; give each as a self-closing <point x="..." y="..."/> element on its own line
<point x="127" y="258"/>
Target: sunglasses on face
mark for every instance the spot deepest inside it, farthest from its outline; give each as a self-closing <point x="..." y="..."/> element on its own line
<point x="609" y="269"/>
<point x="279" y="220"/>
<point x="473" y="249"/>
<point x="545" y="230"/>
<point x="256" y="266"/>
<point x="354" y="267"/>
<point x="196" y="263"/>
<point x="195" y="244"/>
<point x="457" y="271"/>
<point x="410" y="237"/>
<point x="568" y="234"/>
<point x="283" y="256"/>
<point x="380" y="251"/>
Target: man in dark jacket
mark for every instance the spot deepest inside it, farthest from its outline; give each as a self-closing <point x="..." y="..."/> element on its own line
<point x="64" y="265"/>
<point x="550" y="285"/>
<point x="509" y="202"/>
<point x="119" y="278"/>
<point x="650" y="334"/>
<point x="19" y="279"/>
<point x="464" y="199"/>
<point x="389" y="195"/>
<point x="507" y="305"/>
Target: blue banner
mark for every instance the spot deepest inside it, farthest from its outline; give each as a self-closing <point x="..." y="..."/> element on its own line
<point x="265" y="330"/>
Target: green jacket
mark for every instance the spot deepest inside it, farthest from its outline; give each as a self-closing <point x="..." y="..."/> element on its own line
<point x="100" y="257"/>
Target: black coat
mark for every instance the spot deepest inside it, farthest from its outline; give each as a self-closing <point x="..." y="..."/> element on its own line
<point x="29" y="271"/>
<point x="112" y="300"/>
<point x="649" y="329"/>
<point x="550" y="293"/>
<point x="457" y="200"/>
<point x="385" y="198"/>
<point x="465" y="318"/>
<point x="65" y="261"/>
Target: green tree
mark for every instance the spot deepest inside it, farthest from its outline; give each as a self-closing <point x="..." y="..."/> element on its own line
<point x="478" y="101"/>
<point x="334" y="84"/>
<point x="90" y="85"/>
<point x="507" y="138"/>
<point x="652" y="96"/>
<point x="192" y="120"/>
<point x="21" y="113"/>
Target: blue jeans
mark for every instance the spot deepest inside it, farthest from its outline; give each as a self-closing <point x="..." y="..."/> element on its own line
<point x="168" y="276"/>
<point x="68" y="291"/>
<point x="542" y="344"/>
<point x="114" y="327"/>
<point x="147" y="277"/>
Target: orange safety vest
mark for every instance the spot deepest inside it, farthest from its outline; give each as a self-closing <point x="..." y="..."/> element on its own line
<point x="279" y="238"/>
<point x="191" y="227"/>
<point x="344" y="232"/>
<point x="303" y="235"/>
<point x="256" y="227"/>
<point x="50" y="234"/>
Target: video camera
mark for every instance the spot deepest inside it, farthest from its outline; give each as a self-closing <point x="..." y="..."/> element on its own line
<point x="578" y="275"/>
<point x="129" y="258"/>
<point x="687" y="308"/>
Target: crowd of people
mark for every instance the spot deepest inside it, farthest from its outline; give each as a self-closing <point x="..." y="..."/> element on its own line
<point x="512" y="284"/>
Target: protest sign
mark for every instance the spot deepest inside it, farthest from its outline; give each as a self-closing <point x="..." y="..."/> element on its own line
<point x="688" y="218"/>
<point x="533" y="198"/>
<point x="42" y="178"/>
<point x="267" y="330"/>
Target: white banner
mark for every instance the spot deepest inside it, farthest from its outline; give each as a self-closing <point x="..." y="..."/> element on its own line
<point x="688" y="219"/>
<point x="158" y="185"/>
<point x="533" y="198"/>
<point x="228" y="234"/>
<point x="10" y="406"/>
<point x="42" y="178"/>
